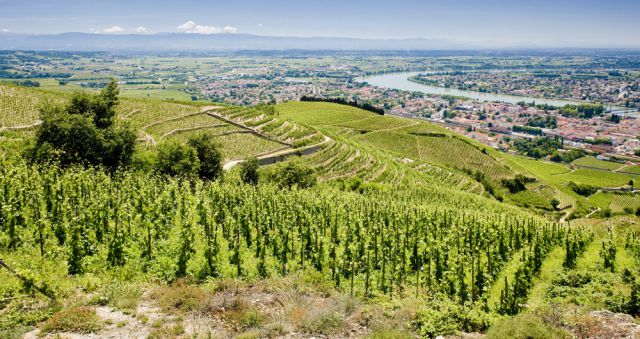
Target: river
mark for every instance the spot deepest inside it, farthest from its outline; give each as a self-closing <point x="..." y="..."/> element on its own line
<point x="400" y="81"/>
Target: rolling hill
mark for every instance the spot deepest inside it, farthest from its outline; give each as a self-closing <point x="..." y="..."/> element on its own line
<point x="410" y="230"/>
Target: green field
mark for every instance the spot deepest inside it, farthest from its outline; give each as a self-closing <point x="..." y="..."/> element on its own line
<point x="595" y="163"/>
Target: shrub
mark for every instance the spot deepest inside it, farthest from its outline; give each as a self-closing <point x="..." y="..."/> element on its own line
<point x="176" y="159"/>
<point x="447" y="318"/>
<point x="122" y="295"/>
<point x="523" y="326"/>
<point x="293" y="174"/>
<point x="209" y="156"/>
<point x="180" y="297"/>
<point x="249" y="171"/>
<point x="517" y="184"/>
<point x="80" y="319"/>
<point x="583" y="189"/>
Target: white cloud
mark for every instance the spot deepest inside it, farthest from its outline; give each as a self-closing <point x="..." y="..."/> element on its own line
<point x="192" y="27"/>
<point x="113" y="30"/>
<point x="187" y="26"/>
<point x="229" y="29"/>
<point x="4" y="30"/>
<point x="142" y="29"/>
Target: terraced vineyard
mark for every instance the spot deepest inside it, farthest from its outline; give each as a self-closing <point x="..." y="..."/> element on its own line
<point x="426" y="230"/>
<point x="20" y="106"/>
<point x="556" y="177"/>
<point x="618" y="202"/>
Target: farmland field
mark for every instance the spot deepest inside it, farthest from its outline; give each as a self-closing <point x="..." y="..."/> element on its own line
<point x="595" y="163"/>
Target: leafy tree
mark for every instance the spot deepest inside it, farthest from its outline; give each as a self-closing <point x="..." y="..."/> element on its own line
<point x="585" y="111"/>
<point x="249" y="171"/>
<point x="555" y="203"/>
<point x="177" y="159"/>
<point x="208" y="155"/>
<point x="83" y="132"/>
<point x="517" y="184"/>
<point x="583" y="189"/>
<point x="293" y="174"/>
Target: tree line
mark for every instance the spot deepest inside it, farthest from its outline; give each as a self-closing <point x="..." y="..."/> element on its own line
<point x="341" y="101"/>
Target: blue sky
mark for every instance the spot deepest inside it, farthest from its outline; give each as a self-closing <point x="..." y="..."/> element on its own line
<point x="543" y="22"/>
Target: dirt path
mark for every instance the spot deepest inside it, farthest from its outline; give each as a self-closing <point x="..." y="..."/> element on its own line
<point x="17" y="128"/>
<point x="189" y="129"/>
<point x="149" y="139"/>
<point x="566" y="215"/>
<point x="252" y="130"/>
<point x="127" y="115"/>
<point x="619" y="169"/>
<point x="277" y="156"/>
<point x="592" y="212"/>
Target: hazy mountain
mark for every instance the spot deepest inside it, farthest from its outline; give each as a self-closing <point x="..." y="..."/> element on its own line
<point x="213" y="42"/>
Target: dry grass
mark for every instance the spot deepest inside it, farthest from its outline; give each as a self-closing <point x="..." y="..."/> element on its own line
<point x="171" y="331"/>
<point x="318" y="316"/>
<point x="79" y="319"/>
<point x="180" y="297"/>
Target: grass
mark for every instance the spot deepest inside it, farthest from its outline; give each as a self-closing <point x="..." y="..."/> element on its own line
<point x="123" y="296"/>
<point x="390" y="334"/>
<point x="597" y="178"/>
<point x="551" y="267"/>
<point x="79" y="319"/>
<point x="630" y="169"/>
<point x="593" y="162"/>
<point x="524" y="326"/>
<point x="179" y="297"/>
<point x="321" y="113"/>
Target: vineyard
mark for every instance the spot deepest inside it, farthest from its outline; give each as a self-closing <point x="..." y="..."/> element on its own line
<point x="366" y="245"/>
<point x="19" y="106"/>
<point x="404" y="213"/>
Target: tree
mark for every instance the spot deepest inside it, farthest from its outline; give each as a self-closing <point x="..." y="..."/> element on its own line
<point x="555" y="203"/>
<point x="83" y="132"/>
<point x="177" y="159"/>
<point x="293" y="174"/>
<point x="249" y="171"/>
<point x="209" y="156"/>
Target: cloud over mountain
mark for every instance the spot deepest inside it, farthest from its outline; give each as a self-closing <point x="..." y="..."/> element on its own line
<point x="113" y="30"/>
<point x="194" y="28"/>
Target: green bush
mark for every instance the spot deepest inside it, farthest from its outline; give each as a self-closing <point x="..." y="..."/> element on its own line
<point x="525" y="326"/>
<point x="209" y="156"/>
<point x="176" y="159"/>
<point x="249" y="171"/>
<point x="83" y="132"/>
<point x="583" y="189"/>
<point x="448" y="318"/>
<point x="293" y="173"/>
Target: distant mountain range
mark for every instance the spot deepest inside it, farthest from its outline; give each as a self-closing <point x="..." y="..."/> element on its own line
<point x="183" y="42"/>
<point x="174" y="42"/>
